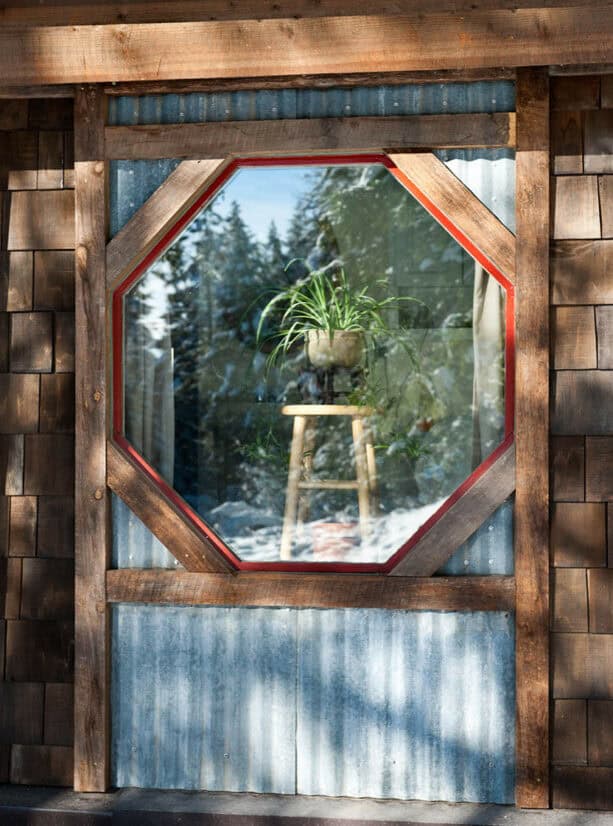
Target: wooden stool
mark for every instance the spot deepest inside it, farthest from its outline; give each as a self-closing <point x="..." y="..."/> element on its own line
<point x="301" y="465"/>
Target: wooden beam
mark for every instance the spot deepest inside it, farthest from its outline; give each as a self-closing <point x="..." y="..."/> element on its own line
<point x="356" y="134"/>
<point x="462" y="519"/>
<point x="37" y="91"/>
<point x="491" y="593"/>
<point x="532" y="418"/>
<point x="143" y="497"/>
<point x="172" y="199"/>
<point x="288" y="46"/>
<point x="63" y="13"/>
<point x="184" y="87"/>
<point x="92" y="529"/>
<point x="462" y="207"/>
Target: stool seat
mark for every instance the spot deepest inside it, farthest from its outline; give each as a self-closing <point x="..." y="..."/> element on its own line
<point x="301" y="464"/>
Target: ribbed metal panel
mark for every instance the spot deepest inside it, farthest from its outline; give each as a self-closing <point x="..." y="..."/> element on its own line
<point x="134" y="546"/>
<point x="267" y="104"/>
<point x="132" y="182"/>
<point x="489" y="550"/>
<point x="204" y="698"/>
<point x="340" y="702"/>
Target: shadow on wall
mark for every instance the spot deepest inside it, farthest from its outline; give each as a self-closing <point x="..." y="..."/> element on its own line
<point x="409" y="705"/>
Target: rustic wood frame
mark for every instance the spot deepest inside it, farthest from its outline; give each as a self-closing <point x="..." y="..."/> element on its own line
<point x="97" y="586"/>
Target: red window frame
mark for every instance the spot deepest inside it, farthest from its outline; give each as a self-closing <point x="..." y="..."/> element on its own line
<point x="187" y="512"/>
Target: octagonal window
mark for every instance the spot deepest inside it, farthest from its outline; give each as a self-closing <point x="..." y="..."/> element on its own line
<point x="311" y="365"/>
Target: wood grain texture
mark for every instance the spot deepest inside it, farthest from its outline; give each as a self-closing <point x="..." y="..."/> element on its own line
<point x="567" y="143"/>
<point x="578" y="536"/>
<point x="172" y="199"/>
<point x="50" y="160"/>
<point x="55" y="526"/>
<point x="575" y="93"/>
<point x="42" y="765"/>
<point x="605" y="191"/>
<point x="41" y="220"/>
<point x="57" y="403"/>
<point x="492" y="593"/>
<point x="599" y="141"/>
<point x="19" y="395"/>
<point x="356" y="134"/>
<point x="600" y="732"/>
<point x="604" y="330"/>
<point x="92" y="511"/>
<point x="574" y="338"/>
<point x="582" y="787"/>
<point x="599" y="469"/>
<point x="21" y="712"/>
<point x="137" y="11"/>
<point x="497" y="38"/>
<point x="13" y="114"/>
<point x="582" y="402"/>
<point x="161" y="517"/>
<point x="39" y="651"/>
<point x="600" y="595"/>
<point x="576" y="212"/>
<point x="49" y="465"/>
<point x="583" y="666"/>
<point x="31" y="343"/>
<point x="54" y="280"/>
<point x="462" y="207"/>
<point x="19" y="288"/>
<point x="59" y="713"/>
<point x="569" y="732"/>
<point x="581" y="272"/>
<point x="22" y="533"/>
<point x="532" y="440"/>
<point x="47" y="589"/>
<point x="461" y="520"/>
<point x="11" y="464"/>
<point x="64" y="342"/>
<point x="570" y="600"/>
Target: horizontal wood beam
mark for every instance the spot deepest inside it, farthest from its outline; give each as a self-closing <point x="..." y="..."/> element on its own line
<point x="462" y="207"/>
<point x="289" y="46"/>
<point x="487" y="593"/>
<point x="183" y="87"/>
<point x="160" y="516"/>
<point x="462" y="519"/>
<point x="63" y="13"/>
<point x="170" y="200"/>
<point x="267" y="137"/>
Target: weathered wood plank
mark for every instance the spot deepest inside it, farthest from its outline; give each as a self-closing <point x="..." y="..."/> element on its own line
<point x="605" y="191"/>
<point x="199" y="141"/>
<point x="599" y="141"/>
<point x="568" y="468"/>
<point x="50" y="160"/>
<point x="581" y="402"/>
<point x="172" y="199"/>
<point x="10" y="596"/>
<point x="462" y="207"/>
<point x="581" y="272"/>
<point x="578" y="536"/>
<point x="600" y="593"/>
<point x="59" y="712"/>
<point x="583" y="666"/>
<point x="39" y="651"/>
<point x="532" y="439"/>
<point x="49" y="464"/>
<point x="54" y="280"/>
<point x="160" y="515"/>
<point x="499" y="38"/>
<point x="19" y="395"/>
<point x="576" y="212"/>
<point x="599" y="468"/>
<point x="19" y="160"/>
<point x="606" y="92"/>
<point x="600" y="732"/>
<point x="19" y="292"/>
<point x="567" y="143"/>
<point x="569" y="732"/>
<point x="22" y="532"/>
<point x="570" y="600"/>
<point x="11" y="464"/>
<point x="57" y="403"/>
<point x="575" y="93"/>
<point x="604" y="329"/>
<point x="46" y="112"/>
<point x="47" y="589"/>
<point x="55" y="526"/>
<point x="21" y="712"/>
<point x="311" y="590"/>
<point x="41" y="220"/>
<point x="42" y="765"/>
<point x="92" y="511"/>
<point x="582" y="787"/>
<point x="14" y="114"/>
<point x="64" y="342"/>
<point x="574" y="334"/>
<point x="461" y="520"/>
<point x="131" y="11"/>
<point x="31" y="343"/>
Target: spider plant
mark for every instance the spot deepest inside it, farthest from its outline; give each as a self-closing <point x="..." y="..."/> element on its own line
<point x="324" y="303"/>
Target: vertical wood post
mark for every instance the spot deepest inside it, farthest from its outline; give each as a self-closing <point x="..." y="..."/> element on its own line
<point x="532" y="426"/>
<point x="92" y="534"/>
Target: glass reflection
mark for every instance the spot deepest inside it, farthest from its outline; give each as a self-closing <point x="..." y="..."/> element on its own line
<point x="386" y="436"/>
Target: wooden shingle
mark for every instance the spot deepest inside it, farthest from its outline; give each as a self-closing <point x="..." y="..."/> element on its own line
<point x="570" y="600"/>
<point x="576" y="212"/>
<point x="582" y="402"/>
<point x="573" y="93"/>
<point x="19" y="398"/>
<point x="42" y="765"/>
<point x="604" y="328"/>
<point x="21" y="712"/>
<point x="50" y="160"/>
<point x="39" y="651"/>
<point x="20" y="280"/>
<point x="11" y="464"/>
<point x="582" y="787"/>
<point x="64" y="342"/>
<point x="600" y="591"/>
<point x="567" y="468"/>
<point x="600" y="732"/>
<point x="569" y="732"/>
<point x="22" y="535"/>
<point x="582" y="666"/>
<point x="581" y="272"/>
<point x="567" y="143"/>
<point x="56" y="526"/>
<point x="578" y="535"/>
<point x="47" y="589"/>
<point x="574" y="338"/>
<point x="59" y="714"/>
<point x="31" y="342"/>
<point x="49" y="464"/>
<point x="54" y="280"/>
<point x="605" y="189"/>
<point x="599" y="469"/>
<point x="57" y="403"/>
<point x="42" y="220"/>
<point x="599" y="141"/>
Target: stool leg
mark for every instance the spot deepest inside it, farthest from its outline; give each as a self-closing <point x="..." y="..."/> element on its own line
<point x="307" y="468"/>
<point x="372" y="467"/>
<point x="361" y="467"/>
<point x="293" y="480"/>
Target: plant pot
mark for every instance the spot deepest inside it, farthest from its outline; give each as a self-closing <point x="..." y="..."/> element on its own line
<point x="345" y="349"/>
<point x="333" y="541"/>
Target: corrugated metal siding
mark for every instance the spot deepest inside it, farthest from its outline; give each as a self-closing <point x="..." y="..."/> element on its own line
<point x="132" y="182"/>
<point x="339" y="702"/>
<point x="489" y="550"/>
<point x="134" y="546"/>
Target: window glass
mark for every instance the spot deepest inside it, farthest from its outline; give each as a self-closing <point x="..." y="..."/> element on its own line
<point x="314" y="364"/>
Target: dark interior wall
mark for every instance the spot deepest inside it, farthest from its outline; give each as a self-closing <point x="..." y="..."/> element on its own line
<point x="36" y="441"/>
<point x="582" y="442"/>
